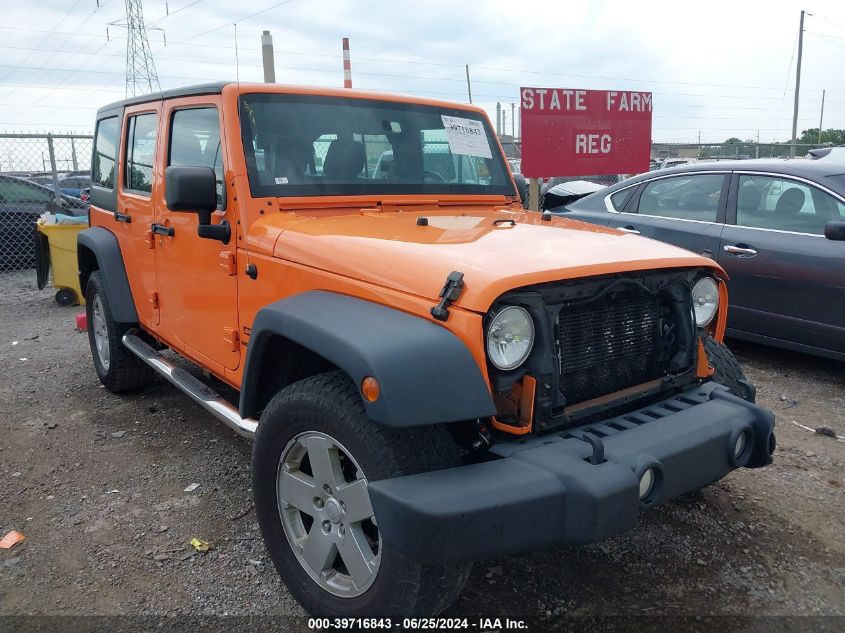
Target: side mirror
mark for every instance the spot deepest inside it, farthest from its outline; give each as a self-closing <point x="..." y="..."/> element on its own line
<point x="194" y="190"/>
<point x="835" y="230"/>
<point x="521" y="187"/>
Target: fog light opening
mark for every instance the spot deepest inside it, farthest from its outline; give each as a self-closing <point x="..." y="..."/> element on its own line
<point x="647" y="481"/>
<point x="741" y="448"/>
<point x="740" y="444"/>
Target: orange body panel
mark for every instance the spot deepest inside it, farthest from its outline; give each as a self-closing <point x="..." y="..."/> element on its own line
<point x="364" y="246"/>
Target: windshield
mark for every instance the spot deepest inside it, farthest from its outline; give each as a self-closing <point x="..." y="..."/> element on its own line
<point x="303" y="145"/>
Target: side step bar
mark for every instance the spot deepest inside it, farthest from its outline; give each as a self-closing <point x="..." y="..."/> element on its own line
<point x="198" y="391"/>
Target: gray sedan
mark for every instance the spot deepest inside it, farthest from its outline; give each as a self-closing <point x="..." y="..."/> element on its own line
<point x="776" y="227"/>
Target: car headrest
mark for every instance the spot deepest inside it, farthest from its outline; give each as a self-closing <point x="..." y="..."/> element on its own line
<point x="344" y="159"/>
<point x="749" y="198"/>
<point x="790" y="201"/>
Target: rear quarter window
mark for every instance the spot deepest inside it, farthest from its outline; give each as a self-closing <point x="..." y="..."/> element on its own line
<point x="619" y="199"/>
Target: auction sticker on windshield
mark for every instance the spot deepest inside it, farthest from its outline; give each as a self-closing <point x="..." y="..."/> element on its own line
<point x="466" y="137"/>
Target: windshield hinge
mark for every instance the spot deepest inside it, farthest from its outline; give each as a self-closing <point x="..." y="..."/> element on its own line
<point x="450" y="292"/>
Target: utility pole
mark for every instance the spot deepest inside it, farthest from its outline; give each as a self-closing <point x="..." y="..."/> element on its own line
<point x="821" y="119"/>
<point x="469" y="88"/>
<point x="267" y="58"/>
<point x="797" y="86"/>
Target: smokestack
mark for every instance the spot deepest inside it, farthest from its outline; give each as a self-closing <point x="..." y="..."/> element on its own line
<point x="267" y="58"/>
<point x="347" y="65"/>
<point x="498" y="119"/>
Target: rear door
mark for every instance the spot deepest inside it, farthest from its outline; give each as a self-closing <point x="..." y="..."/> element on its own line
<point x="786" y="280"/>
<point x="686" y="210"/>
<point x="133" y="212"/>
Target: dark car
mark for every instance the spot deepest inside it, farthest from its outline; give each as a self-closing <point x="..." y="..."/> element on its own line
<point x="777" y="227"/>
<point x="69" y="184"/>
<point x="21" y="203"/>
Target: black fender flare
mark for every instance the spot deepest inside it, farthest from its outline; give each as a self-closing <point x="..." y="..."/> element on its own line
<point x="105" y="248"/>
<point x="426" y="374"/>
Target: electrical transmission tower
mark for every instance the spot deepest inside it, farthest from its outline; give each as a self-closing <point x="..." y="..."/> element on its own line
<point x="141" y="75"/>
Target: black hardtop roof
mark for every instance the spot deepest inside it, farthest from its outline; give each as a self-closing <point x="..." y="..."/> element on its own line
<point x="187" y="91"/>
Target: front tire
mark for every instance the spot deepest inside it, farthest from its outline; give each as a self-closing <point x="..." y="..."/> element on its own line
<point x="313" y="453"/>
<point x="118" y="368"/>
<point x="728" y="371"/>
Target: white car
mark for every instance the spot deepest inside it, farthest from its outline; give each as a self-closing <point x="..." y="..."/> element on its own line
<point x="833" y="154"/>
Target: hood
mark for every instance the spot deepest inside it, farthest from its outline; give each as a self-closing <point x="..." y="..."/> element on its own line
<point x="495" y="250"/>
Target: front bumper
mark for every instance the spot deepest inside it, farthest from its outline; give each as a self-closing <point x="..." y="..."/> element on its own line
<point x="560" y="488"/>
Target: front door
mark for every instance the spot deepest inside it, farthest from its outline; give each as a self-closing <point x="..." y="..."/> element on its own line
<point x="196" y="276"/>
<point x="787" y="281"/>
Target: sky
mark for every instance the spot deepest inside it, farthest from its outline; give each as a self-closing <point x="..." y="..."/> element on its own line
<point x="716" y="69"/>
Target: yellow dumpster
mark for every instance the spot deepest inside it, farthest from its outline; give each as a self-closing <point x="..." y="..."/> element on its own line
<point x="55" y="244"/>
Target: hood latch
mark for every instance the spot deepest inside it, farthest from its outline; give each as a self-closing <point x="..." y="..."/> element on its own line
<point x="450" y="292"/>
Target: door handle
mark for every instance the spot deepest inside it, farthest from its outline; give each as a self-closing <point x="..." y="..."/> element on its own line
<point x="122" y="217"/>
<point x="160" y="229"/>
<point x="628" y="229"/>
<point x="741" y="251"/>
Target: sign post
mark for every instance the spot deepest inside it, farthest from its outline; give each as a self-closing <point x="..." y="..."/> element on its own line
<point x="568" y="132"/>
<point x="534" y="194"/>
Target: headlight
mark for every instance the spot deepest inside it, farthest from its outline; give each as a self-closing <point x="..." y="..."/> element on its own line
<point x="705" y="300"/>
<point x="510" y="338"/>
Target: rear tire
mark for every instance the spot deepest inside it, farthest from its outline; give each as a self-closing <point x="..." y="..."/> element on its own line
<point x="728" y="371"/>
<point x="118" y="368"/>
<point x="324" y="413"/>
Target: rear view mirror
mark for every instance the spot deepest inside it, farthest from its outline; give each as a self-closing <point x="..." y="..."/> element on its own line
<point x="194" y="190"/>
<point x="521" y="187"/>
<point x="835" y="230"/>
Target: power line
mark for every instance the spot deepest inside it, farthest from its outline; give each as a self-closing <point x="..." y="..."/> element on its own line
<point x="46" y="37"/>
<point x="241" y="19"/>
<point x="173" y="43"/>
<point x="175" y="11"/>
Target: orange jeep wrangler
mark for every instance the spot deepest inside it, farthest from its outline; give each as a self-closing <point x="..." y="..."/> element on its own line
<point x="429" y="373"/>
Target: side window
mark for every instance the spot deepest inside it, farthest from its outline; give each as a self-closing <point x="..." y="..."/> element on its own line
<point x="195" y="142"/>
<point x="19" y="192"/>
<point x="619" y="199"/>
<point x="140" y="153"/>
<point x="105" y="152"/>
<point x="766" y="202"/>
<point x="694" y="197"/>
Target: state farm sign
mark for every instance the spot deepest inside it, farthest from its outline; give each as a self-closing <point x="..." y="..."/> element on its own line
<point x="567" y="132"/>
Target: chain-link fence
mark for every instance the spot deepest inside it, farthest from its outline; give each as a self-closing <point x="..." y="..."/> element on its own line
<point x="39" y="173"/>
<point x="670" y="154"/>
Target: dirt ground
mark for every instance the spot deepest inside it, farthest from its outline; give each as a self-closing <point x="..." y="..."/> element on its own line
<point x="96" y="483"/>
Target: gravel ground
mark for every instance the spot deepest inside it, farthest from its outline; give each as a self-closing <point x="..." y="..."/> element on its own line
<point x="96" y="483"/>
